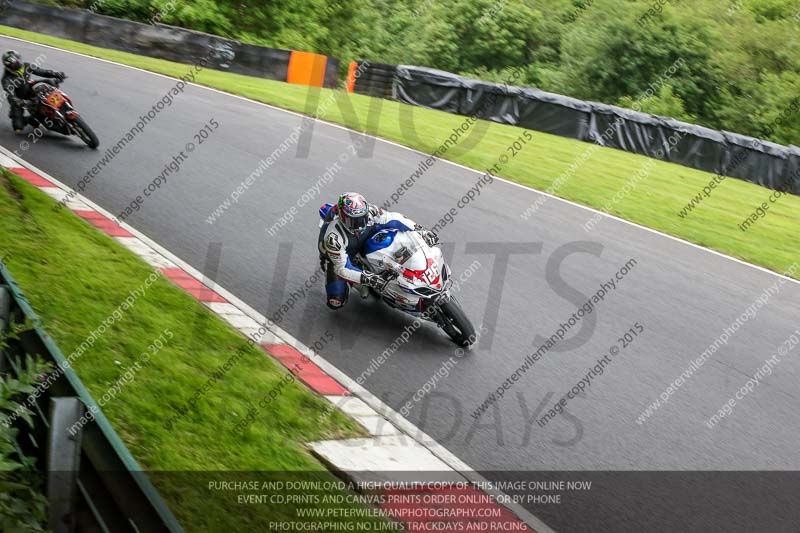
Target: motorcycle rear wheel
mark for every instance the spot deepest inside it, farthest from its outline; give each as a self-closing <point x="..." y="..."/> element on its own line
<point x="85" y="133"/>
<point x="456" y="324"/>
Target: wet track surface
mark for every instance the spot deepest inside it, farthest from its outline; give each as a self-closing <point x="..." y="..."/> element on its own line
<point x="530" y="277"/>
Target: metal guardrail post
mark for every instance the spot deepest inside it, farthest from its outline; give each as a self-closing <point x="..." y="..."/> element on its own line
<point x="5" y="318"/>
<point x="5" y="308"/>
<point x="112" y="491"/>
<point x="63" y="463"/>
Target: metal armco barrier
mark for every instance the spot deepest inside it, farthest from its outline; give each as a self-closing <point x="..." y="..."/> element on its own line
<point x="93" y="482"/>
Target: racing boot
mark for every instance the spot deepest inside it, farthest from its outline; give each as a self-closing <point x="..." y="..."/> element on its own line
<point x="363" y="291"/>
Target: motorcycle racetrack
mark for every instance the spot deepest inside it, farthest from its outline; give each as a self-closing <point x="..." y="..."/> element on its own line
<point x="211" y="175"/>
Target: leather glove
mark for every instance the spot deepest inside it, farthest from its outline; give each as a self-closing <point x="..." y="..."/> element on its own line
<point x="60" y="76"/>
<point x="376" y="281"/>
<point x="19" y="102"/>
<point x="430" y="237"/>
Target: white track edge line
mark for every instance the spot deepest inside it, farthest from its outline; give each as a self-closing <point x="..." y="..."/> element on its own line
<point x="339" y="126"/>
<point x="350" y="384"/>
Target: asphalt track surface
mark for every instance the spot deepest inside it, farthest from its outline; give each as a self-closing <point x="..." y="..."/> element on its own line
<point x="683" y="296"/>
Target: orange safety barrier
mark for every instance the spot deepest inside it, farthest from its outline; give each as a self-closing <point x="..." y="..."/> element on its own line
<point x="307" y="68"/>
<point x="351" y="76"/>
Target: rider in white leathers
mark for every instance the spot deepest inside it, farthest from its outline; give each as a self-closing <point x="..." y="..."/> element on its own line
<point x="346" y="227"/>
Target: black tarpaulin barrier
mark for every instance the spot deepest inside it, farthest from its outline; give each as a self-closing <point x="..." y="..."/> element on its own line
<point x="694" y="146"/>
<point x="490" y="101"/>
<point x="762" y="162"/>
<point x="792" y="179"/>
<point x="437" y="89"/>
<point x="529" y="108"/>
<point x="554" y="113"/>
<point x="628" y="130"/>
<point x="427" y="87"/>
<point x="751" y="159"/>
<point x="658" y="137"/>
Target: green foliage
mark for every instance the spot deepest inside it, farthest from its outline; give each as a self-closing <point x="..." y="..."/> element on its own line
<point x="22" y="505"/>
<point x="665" y="103"/>
<point x="463" y="36"/>
<point x="773" y="9"/>
<point x="741" y="58"/>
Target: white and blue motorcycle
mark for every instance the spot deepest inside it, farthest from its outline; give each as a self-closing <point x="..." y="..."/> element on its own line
<point x="420" y="281"/>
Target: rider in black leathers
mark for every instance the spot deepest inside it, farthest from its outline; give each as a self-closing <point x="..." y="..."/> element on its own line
<point x="17" y="86"/>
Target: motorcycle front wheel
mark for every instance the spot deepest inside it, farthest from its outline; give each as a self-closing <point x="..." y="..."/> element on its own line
<point x="456" y="324"/>
<point x="85" y="133"/>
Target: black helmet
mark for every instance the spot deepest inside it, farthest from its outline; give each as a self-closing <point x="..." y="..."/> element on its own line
<point x="12" y="61"/>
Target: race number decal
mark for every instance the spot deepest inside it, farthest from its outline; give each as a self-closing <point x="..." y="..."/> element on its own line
<point x="431" y="275"/>
<point x="54" y="99"/>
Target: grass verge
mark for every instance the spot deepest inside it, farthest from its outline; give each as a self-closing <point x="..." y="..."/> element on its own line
<point x="653" y="200"/>
<point x="75" y="277"/>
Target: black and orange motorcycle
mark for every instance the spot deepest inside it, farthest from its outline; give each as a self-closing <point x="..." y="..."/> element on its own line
<point x="52" y="108"/>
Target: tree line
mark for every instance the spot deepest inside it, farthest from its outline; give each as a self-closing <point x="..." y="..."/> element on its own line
<point x="739" y="60"/>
